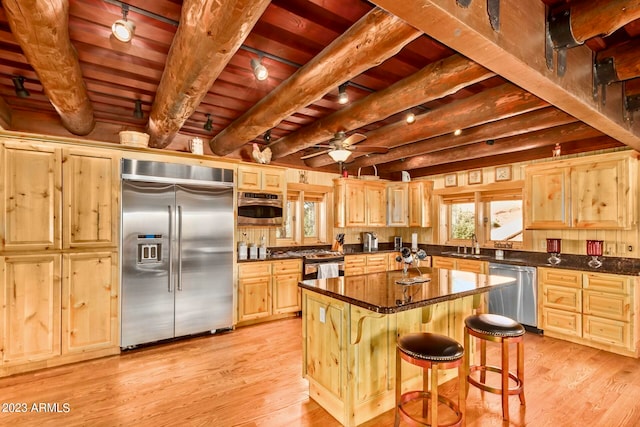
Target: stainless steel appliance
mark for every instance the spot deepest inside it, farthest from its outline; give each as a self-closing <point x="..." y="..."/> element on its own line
<point x="322" y="264"/>
<point x="369" y="241"/>
<point x="264" y="209"/>
<point x="518" y="302"/>
<point x="177" y="251"/>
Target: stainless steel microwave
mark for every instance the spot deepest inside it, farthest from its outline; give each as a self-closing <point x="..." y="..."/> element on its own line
<point x="263" y="209"/>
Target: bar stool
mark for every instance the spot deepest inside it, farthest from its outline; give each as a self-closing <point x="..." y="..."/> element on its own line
<point x="435" y="352"/>
<point x="501" y="329"/>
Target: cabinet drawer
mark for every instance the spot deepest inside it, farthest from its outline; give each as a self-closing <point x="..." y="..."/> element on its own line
<point x="440" y="262"/>
<point x="562" y="298"/>
<point x="254" y="269"/>
<point x="355" y="261"/>
<point x="562" y="321"/>
<point x="353" y="271"/>
<point x="611" y="306"/>
<point x="376" y="263"/>
<point x="607" y="283"/>
<point x="287" y="267"/>
<point x="472" y="266"/>
<point x="561" y="277"/>
<point x="607" y="331"/>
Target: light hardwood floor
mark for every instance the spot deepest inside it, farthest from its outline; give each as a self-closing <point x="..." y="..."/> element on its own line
<point x="252" y="377"/>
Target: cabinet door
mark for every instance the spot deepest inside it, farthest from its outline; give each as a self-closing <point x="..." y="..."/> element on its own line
<point x="355" y="204"/>
<point x="443" y="262"/>
<point x="89" y="301"/>
<point x="376" y="263"/>
<point x="546" y="196"/>
<point x="30" y="214"/>
<point x="286" y="296"/>
<point x="254" y="298"/>
<point x="91" y="191"/>
<point x="273" y="180"/>
<point x="376" y="204"/>
<point x="420" y="193"/>
<point x="30" y="308"/>
<point x="600" y="194"/>
<point x="564" y="322"/>
<point x="397" y="204"/>
<point x="355" y="264"/>
<point x="473" y="266"/>
<point x="249" y="178"/>
<point x="607" y="331"/>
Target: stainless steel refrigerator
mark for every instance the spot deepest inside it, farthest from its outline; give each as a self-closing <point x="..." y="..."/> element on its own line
<point x="177" y="251"/>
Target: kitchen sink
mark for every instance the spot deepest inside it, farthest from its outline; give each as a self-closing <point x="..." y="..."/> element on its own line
<point x="467" y="256"/>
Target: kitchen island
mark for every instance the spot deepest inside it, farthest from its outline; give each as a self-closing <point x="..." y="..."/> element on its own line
<point x="351" y="325"/>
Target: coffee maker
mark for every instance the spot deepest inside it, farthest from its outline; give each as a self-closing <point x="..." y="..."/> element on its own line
<point x="369" y="241"/>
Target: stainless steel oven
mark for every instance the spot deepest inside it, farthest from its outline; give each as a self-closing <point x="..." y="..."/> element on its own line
<point x="262" y="209"/>
<point x="323" y="265"/>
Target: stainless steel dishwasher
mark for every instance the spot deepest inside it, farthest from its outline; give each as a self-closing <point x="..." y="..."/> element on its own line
<point x="519" y="302"/>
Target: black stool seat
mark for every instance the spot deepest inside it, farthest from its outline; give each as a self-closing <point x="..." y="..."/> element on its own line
<point x="494" y="324"/>
<point x="430" y="347"/>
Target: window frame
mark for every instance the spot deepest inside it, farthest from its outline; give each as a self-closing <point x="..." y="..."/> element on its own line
<point x="297" y="194"/>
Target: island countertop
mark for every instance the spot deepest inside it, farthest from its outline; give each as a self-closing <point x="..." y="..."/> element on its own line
<point x="380" y="292"/>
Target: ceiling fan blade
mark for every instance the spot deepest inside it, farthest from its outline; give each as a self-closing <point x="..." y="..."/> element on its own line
<point x="353" y="139"/>
<point x="308" y="156"/>
<point x="371" y="149"/>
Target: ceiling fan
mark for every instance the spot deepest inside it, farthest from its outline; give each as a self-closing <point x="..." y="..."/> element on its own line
<point x="341" y="146"/>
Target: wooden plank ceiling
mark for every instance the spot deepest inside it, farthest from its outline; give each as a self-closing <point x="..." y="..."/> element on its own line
<point x="190" y="61"/>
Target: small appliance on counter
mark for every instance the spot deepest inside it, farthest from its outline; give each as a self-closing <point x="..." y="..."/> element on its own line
<point x="397" y="243"/>
<point x="369" y="241"/>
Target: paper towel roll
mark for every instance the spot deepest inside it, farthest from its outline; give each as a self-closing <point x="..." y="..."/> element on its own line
<point x="414" y="241"/>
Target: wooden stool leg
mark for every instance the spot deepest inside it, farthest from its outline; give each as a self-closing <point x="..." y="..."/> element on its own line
<point x="434" y="394"/>
<point x="398" y="386"/>
<point x="483" y="360"/>
<point x="462" y="392"/>
<point x="425" y="388"/>
<point x="521" y="369"/>
<point x="467" y="360"/>
<point x="505" y="379"/>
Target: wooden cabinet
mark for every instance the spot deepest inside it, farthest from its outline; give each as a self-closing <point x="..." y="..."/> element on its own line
<point x="596" y="192"/>
<point x="397" y="204"/>
<point x="472" y="265"/>
<point x="90" y="198"/>
<point x="90" y="301"/>
<point x="595" y="309"/>
<point x="365" y="263"/>
<point x="268" y="288"/>
<point x="261" y="178"/>
<point x="359" y="203"/>
<point x="30" y="214"/>
<point x="420" y="211"/>
<point x="30" y="301"/>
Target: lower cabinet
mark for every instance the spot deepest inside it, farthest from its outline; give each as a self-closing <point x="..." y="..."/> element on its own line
<point x="366" y="263"/>
<point x="472" y="265"/>
<point x="268" y="289"/>
<point x="57" y="309"/>
<point x="595" y="309"/>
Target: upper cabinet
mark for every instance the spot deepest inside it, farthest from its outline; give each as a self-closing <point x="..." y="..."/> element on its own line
<point x="30" y="214"/>
<point x="420" y="194"/>
<point x="261" y="178"/>
<point x="595" y="192"/>
<point x="360" y="203"/>
<point x="91" y="183"/>
<point x="397" y="204"/>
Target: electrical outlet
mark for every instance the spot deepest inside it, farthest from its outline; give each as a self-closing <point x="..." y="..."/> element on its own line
<point x="610" y="250"/>
<point x="323" y="315"/>
<point x="543" y="244"/>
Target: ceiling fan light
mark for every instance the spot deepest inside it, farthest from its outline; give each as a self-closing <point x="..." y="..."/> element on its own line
<point x="123" y="30"/>
<point x="340" y="155"/>
<point x="259" y="70"/>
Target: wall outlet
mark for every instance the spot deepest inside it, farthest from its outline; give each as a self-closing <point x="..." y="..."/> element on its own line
<point x="323" y="315"/>
<point x="610" y="249"/>
<point x="543" y="244"/>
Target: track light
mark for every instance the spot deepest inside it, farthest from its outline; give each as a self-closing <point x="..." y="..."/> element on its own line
<point x="18" y="83"/>
<point x="267" y="136"/>
<point x="137" y="110"/>
<point x="339" y="155"/>
<point x="410" y="117"/>
<point x="208" y="126"/>
<point x="343" y="96"/>
<point x="259" y="70"/>
<point x="123" y="29"/>
<point x="457" y="132"/>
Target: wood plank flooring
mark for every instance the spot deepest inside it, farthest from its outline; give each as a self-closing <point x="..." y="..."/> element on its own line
<point x="252" y="377"/>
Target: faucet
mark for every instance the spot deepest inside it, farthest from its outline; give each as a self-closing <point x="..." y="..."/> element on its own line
<point x="474" y="240"/>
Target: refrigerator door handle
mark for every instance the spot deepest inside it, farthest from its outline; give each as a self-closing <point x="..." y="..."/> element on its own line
<point x="179" y="248"/>
<point x="170" y="248"/>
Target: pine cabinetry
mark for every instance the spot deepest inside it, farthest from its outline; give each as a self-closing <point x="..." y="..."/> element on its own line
<point x="359" y="203"/>
<point x="595" y="309"/>
<point x="472" y="265"/>
<point x="261" y="178"/>
<point x="365" y="263"/>
<point x="595" y="192"/>
<point x="267" y="289"/>
<point x="397" y="204"/>
<point x="30" y="323"/>
<point x="90" y="301"/>
<point x="420" y="194"/>
<point x="30" y="214"/>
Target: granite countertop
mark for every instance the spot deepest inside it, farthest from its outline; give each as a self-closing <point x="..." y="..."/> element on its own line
<point x="380" y="293"/>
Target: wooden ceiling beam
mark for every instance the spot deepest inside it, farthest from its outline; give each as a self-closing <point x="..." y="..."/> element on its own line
<point x="209" y="34"/>
<point x="5" y="115"/>
<point x="517" y="54"/>
<point x="373" y="39"/>
<point x="42" y="30"/>
<point x="493" y="104"/>
<point x="513" y="144"/>
<point x="624" y="64"/>
<point x="436" y="80"/>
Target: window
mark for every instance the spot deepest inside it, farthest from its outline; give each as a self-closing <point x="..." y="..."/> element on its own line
<point x="463" y="220"/>
<point x="503" y="216"/>
<point x="306" y="218"/>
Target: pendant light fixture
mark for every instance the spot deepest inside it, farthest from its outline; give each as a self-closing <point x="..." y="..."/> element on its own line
<point x="208" y="126"/>
<point x="123" y="29"/>
<point x="339" y="155"/>
<point x="259" y="70"/>
<point x="343" y="96"/>
<point x="137" y="110"/>
<point x="18" y="83"/>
